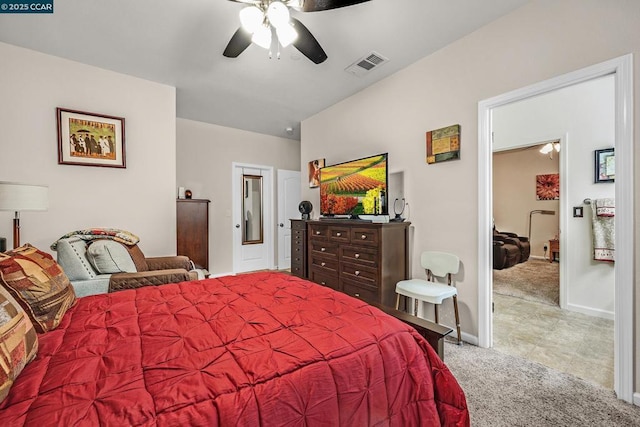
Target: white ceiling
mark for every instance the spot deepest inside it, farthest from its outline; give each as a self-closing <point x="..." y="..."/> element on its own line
<point x="180" y="43"/>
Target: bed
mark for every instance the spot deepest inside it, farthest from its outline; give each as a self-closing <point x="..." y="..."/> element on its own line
<point x="257" y="349"/>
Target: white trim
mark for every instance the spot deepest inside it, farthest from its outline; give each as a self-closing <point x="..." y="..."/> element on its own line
<point x="564" y="212"/>
<point x="636" y="399"/>
<point x="622" y="67"/>
<point x="213" y="276"/>
<point x="591" y="311"/>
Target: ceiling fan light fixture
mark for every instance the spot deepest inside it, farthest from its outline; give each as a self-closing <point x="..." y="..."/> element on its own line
<point x="262" y="37"/>
<point x="278" y="14"/>
<point x="286" y="35"/>
<point x="251" y="18"/>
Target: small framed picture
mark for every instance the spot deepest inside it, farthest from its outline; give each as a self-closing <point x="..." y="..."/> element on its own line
<point x="314" y="172"/>
<point x="88" y="139"/>
<point x="605" y="165"/>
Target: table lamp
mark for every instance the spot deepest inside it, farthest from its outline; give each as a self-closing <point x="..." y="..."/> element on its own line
<point x="22" y="197"/>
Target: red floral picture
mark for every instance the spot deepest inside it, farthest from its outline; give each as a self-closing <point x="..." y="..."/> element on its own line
<point x="548" y="187"/>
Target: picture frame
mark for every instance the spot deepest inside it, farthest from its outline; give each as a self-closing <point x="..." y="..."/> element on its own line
<point x="443" y="144"/>
<point x="90" y="139"/>
<point x="605" y="166"/>
<point x="314" y="172"/>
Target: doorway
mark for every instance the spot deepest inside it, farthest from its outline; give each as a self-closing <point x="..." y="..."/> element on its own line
<point x="621" y="68"/>
<point x="289" y="190"/>
<point x="252" y="213"/>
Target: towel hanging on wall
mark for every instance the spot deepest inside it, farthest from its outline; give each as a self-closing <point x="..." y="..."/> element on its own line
<point x="603" y="220"/>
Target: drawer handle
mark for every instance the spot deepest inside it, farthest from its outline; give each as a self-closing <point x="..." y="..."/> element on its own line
<point x="297" y="249"/>
<point x="322" y="249"/>
<point x="338" y="234"/>
<point x="317" y="232"/>
<point x="364" y="236"/>
<point x="357" y="295"/>
<point x="323" y="264"/>
<point x="357" y="256"/>
<point x="357" y="273"/>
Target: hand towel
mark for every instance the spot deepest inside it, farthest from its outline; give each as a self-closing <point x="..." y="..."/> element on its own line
<point x="603" y="230"/>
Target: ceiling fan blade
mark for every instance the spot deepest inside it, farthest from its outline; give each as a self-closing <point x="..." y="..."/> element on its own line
<point x="239" y="42"/>
<point x="319" y="5"/>
<point x="307" y="44"/>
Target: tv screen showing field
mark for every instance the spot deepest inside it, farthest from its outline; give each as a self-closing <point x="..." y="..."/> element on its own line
<point x="355" y="187"/>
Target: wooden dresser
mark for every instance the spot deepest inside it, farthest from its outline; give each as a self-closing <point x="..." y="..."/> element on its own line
<point x="192" y="229"/>
<point x="299" y="248"/>
<point x="359" y="258"/>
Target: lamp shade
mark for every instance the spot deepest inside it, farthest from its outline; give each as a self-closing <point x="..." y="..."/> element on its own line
<point x="23" y="197"/>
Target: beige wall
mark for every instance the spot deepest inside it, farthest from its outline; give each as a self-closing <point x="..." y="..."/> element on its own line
<point x="514" y="195"/>
<point x="543" y="39"/>
<point x="139" y="198"/>
<point x="205" y="154"/>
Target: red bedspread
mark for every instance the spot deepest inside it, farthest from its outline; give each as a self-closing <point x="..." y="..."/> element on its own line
<point x="249" y="350"/>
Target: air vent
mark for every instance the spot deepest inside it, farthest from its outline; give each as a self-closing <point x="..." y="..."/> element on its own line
<point x="367" y="63"/>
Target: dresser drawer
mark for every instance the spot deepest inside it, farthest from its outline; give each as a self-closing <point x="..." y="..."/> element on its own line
<point x="365" y="276"/>
<point x="297" y="270"/>
<point x="365" y="294"/>
<point x="339" y="234"/>
<point x="324" y="265"/>
<point x="298" y="225"/>
<point x="319" y="248"/>
<point x="318" y="276"/>
<point x="365" y="236"/>
<point x="360" y="255"/>
<point x="298" y="234"/>
<point x="318" y="231"/>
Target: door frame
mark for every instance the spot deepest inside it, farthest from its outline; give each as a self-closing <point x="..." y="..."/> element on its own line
<point x="268" y="223"/>
<point x="622" y="68"/>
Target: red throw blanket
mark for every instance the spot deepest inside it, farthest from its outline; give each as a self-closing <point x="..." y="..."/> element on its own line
<point x="260" y="349"/>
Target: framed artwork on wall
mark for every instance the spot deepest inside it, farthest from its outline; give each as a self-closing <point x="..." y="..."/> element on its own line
<point x="443" y="144"/>
<point x="548" y="187"/>
<point x="605" y="165"/>
<point x="88" y="139"/>
<point x="314" y="172"/>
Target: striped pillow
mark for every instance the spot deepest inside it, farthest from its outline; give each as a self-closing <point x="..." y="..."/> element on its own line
<point x="18" y="341"/>
<point x="38" y="283"/>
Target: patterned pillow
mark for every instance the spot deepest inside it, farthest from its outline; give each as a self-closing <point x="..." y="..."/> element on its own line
<point x="18" y="341"/>
<point x="38" y="283"/>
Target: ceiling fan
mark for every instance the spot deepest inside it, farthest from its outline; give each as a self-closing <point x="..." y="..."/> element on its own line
<point x="260" y="18"/>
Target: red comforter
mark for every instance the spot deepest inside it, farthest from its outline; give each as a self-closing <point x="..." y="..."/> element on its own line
<point x="250" y="350"/>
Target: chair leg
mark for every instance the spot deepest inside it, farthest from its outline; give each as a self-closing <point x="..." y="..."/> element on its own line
<point x="435" y="309"/>
<point x="415" y="307"/>
<point x="455" y="307"/>
<point x="397" y="301"/>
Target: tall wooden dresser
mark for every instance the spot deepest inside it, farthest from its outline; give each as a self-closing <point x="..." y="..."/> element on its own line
<point x="299" y="248"/>
<point x="359" y="258"/>
<point x="193" y="230"/>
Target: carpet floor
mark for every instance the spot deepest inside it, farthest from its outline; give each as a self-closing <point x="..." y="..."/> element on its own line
<point x="505" y="390"/>
<point x="534" y="280"/>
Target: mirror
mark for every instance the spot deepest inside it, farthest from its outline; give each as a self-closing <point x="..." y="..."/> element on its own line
<point x="252" y="209"/>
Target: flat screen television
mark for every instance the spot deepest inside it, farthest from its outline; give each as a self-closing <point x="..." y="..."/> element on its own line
<point x="356" y="187"/>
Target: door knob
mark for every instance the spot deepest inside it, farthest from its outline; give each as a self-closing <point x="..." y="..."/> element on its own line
<point x="281" y="225"/>
<point x="237" y="225"/>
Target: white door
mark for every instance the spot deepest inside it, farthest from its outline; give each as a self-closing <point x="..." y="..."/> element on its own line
<point x="253" y="227"/>
<point x="289" y="192"/>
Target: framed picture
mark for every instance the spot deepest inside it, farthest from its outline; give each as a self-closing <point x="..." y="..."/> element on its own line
<point x="88" y="139"/>
<point x="314" y="172"/>
<point x="548" y="187"/>
<point x="605" y="165"/>
<point x="443" y="144"/>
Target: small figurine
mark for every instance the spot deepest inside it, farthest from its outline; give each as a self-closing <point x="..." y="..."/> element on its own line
<point x="187" y="194"/>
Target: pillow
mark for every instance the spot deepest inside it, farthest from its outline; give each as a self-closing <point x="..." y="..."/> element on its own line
<point x="108" y="257"/>
<point x="18" y="341"/>
<point x="72" y="257"/>
<point x="39" y="285"/>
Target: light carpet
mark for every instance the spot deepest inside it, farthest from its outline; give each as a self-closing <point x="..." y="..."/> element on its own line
<point x="504" y="390"/>
<point x="533" y="280"/>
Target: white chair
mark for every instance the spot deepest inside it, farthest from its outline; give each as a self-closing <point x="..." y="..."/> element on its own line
<point x="439" y="264"/>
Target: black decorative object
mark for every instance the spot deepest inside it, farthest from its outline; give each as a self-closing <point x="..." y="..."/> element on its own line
<point x="398" y="217"/>
<point x="188" y="194"/>
<point x="305" y="207"/>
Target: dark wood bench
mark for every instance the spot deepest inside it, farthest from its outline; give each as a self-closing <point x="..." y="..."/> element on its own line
<point x="432" y="332"/>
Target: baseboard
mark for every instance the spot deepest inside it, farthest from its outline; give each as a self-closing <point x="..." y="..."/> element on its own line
<point x="591" y="311"/>
<point x="636" y="399"/>
<point x="221" y="275"/>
